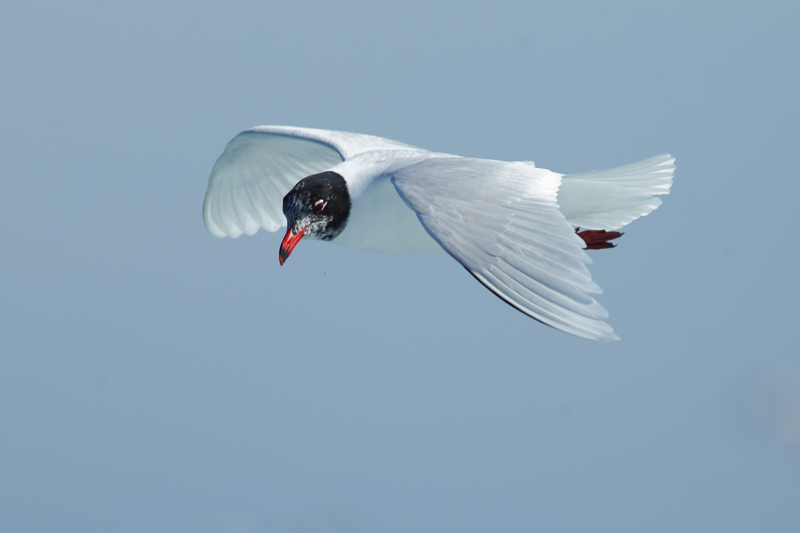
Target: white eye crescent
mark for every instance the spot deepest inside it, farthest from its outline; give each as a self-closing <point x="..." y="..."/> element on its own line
<point x="319" y="205"/>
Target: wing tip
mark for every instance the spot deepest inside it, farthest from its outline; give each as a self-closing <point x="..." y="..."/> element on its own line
<point x="585" y="327"/>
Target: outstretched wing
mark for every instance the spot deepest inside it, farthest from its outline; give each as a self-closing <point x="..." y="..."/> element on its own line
<point x="260" y="165"/>
<point x="501" y="222"/>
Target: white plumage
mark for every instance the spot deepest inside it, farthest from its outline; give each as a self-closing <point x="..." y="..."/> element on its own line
<point x="509" y="224"/>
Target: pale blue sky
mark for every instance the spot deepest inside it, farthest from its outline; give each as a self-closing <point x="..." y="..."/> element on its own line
<point x="155" y="378"/>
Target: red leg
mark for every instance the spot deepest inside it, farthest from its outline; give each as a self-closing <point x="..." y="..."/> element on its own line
<point x="598" y="239"/>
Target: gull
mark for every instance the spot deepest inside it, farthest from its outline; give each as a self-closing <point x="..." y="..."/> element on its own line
<point x="515" y="227"/>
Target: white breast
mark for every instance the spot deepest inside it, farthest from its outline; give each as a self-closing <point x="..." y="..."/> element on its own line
<point x="380" y="221"/>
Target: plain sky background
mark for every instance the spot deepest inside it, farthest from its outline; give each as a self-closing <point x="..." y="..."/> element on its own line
<point x="155" y="378"/>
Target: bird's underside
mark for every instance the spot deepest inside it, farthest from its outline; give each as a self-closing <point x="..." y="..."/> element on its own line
<point x="518" y="229"/>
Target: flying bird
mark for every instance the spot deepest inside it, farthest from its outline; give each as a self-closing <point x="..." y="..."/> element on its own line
<point x="518" y="229"/>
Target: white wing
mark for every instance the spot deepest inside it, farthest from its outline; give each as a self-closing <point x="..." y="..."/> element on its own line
<point x="610" y="199"/>
<point x="260" y="165"/>
<point x="502" y="223"/>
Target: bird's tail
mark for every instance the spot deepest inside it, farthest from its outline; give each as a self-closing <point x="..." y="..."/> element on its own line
<point x="610" y="199"/>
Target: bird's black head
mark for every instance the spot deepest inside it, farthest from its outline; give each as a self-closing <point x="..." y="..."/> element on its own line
<point x="316" y="208"/>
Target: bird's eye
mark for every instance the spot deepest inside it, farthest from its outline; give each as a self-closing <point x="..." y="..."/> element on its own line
<point x="319" y="205"/>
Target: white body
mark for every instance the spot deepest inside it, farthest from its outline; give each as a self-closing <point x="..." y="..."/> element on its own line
<point x="509" y="224"/>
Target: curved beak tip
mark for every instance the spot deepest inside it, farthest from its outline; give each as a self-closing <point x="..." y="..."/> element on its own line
<point x="288" y="243"/>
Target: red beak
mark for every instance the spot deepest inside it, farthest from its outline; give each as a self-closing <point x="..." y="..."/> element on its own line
<point x="288" y="243"/>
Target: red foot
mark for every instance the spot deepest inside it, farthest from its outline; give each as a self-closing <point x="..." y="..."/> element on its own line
<point x="598" y="239"/>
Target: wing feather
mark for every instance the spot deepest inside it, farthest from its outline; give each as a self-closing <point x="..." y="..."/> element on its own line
<point x="226" y="206"/>
<point x="501" y="222"/>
